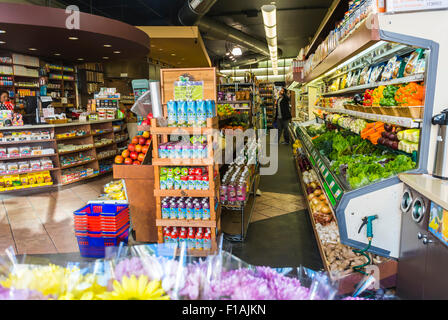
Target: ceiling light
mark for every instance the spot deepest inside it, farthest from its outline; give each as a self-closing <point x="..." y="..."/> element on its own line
<point x="107" y="45"/>
<point x="105" y="58"/>
<point x="80" y="59"/>
<point x="173" y="54"/>
<point x="2" y="42"/>
<point x="117" y="51"/>
<point x="270" y="28"/>
<point x="2" y="31"/>
<point x="237" y="51"/>
<point x="160" y="49"/>
<point x="73" y="38"/>
<point x="227" y="53"/>
<point x="32" y="49"/>
<point x="269" y="12"/>
<point x="57" y="54"/>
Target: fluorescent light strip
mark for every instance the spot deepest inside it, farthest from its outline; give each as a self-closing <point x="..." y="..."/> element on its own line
<point x="270" y="27"/>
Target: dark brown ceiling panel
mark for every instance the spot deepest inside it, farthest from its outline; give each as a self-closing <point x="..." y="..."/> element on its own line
<point x="44" y="28"/>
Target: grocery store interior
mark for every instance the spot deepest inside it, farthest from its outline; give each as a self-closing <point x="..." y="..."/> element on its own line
<point x="297" y="142"/>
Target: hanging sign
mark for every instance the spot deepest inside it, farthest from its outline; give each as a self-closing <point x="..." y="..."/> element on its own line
<point x="415" y="5"/>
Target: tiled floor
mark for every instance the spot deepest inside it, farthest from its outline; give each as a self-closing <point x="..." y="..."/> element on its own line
<point x="43" y="223"/>
<point x="272" y="204"/>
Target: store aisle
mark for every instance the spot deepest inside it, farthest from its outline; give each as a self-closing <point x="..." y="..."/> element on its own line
<point x="280" y="233"/>
<point x="43" y="223"/>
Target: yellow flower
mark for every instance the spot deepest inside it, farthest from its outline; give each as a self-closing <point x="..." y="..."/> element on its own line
<point x="135" y="289"/>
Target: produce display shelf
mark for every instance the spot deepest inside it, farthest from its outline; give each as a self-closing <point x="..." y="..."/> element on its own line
<point x="400" y="121"/>
<point x="185" y="223"/>
<point x="383" y="147"/>
<point x="313" y="222"/>
<point x="29" y="157"/>
<point x="78" y="164"/>
<point x="25" y="142"/>
<point x="413" y="78"/>
<point x="74" y="151"/>
<point x="32" y="171"/>
<point x="74" y="137"/>
<point x="182" y="162"/>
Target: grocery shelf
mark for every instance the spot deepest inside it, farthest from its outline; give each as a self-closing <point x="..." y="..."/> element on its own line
<point x="81" y="179"/>
<point x="106" y="157"/>
<point x="104" y="145"/>
<point x="101" y="133"/>
<point x="185" y="223"/>
<point x="234" y="102"/>
<point x="413" y="78"/>
<point x="78" y="164"/>
<point x="32" y="171"/>
<point x="28" y="189"/>
<point x="74" y="137"/>
<point x="25" y="142"/>
<point x="28" y="157"/>
<point x="400" y="121"/>
<point x="182" y="162"/>
<point x="74" y="151"/>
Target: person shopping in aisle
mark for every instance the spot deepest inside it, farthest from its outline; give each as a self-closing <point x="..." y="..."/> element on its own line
<point x="283" y="115"/>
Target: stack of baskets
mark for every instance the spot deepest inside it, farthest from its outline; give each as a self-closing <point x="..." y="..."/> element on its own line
<point x="98" y="226"/>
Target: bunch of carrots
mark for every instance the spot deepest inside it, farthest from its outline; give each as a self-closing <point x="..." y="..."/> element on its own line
<point x="373" y="131"/>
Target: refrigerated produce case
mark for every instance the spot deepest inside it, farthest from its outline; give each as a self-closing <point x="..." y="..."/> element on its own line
<point x="374" y="42"/>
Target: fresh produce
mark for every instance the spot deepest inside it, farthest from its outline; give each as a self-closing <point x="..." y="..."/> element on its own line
<point x="367" y="101"/>
<point x="377" y="95"/>
<point x="225" y="110"/>
<point x="388" y="98"/>
<point x="389" y="137"/>
<point x="373" y="131"/>
<point x="135" y="152"/>
<point x="315" y="129"/>
<point x="411" y="135"/>
<point x="411" y="94"/>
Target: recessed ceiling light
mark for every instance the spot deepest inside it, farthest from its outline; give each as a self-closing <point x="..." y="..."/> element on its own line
<point x="73" y="38"/>
<point x="107" y="45"/>
<point x="57" y="54"/>
<point x="80" y="59"/>
<point x="117" y="51"/>
<point x="153" y="46"/>
<point x="105" y="58"/>
<point x="32" y="49"/>
<point x="2" y="42"/>
<point x="160" y="49"/>
<point x="173" y="54"/>
<point x="2" y="31"/>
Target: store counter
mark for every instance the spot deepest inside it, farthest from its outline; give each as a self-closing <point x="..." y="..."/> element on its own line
<point x="432" y="188"/>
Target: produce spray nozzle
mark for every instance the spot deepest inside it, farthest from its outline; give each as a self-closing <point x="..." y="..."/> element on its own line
<point x="367" y="221"/>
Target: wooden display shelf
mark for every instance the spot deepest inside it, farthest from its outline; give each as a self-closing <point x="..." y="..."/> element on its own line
<point x="29" y="157"/>
<point x="186" y="223"/>
<point x="77" y="164"/>
<point x="361" y="38"/>
<point x="29" y="189"/>
<point x="74" y="137"/>
<point x="25" y="142"/>
<point x="182" y="162"/>
<point x="81" y="179"/>
<point x="74" y="151"/>
<point x="32" y="171"/>
<point x="104" y="145"/>
<point x="106" y="157"/>
<point x="101" y="133"/>
<point x="184" y="193"/>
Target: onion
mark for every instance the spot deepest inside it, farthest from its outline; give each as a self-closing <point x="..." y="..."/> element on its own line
<point x="323" y="198"/>
<point x="325" y="209"/>
<point x="315" y="201"/>
<point x="317" y="192"/>
<point x="311" y="196"/>
<point x="313" y="185"/>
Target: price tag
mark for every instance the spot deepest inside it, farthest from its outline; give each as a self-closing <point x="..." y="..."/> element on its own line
<point x="332" y="184"/>
<point x="337" y="193"/>
<point x="326" y="174"/>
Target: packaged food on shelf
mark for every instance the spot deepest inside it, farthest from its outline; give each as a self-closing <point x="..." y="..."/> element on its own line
<point x="195" y="238"/>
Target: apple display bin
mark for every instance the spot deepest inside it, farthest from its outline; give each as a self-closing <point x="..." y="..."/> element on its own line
<point x="139" y="180"/>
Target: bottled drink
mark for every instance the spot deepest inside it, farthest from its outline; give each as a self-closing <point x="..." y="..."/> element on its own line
<point x="190" y="210"/>
<point x="182" y="210"/>
<point x="182" y="112"/>
<point x="172" y="113"/>
<point x="206" y="210"/>
<point x="165" y="210"/>
<point x="197" y="211"/>
<point x="201" y="113"/>
<point x="174" y="210"/>
<point x="191" y="113"/>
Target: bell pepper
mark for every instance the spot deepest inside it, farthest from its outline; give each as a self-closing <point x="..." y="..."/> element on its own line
<point x="411" y="94"/>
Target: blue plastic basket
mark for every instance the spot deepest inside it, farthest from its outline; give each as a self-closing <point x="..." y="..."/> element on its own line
<point x="95" y="246"/>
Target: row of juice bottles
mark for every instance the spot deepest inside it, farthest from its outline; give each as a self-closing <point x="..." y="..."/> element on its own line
<point x="186" y="208"/>
<point x="194" y="238"/>
<point x="190" y="113"/>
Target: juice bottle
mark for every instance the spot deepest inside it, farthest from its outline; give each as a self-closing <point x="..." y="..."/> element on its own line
<point x="174" y="236"/>
<point x="207" y="240"/>
<point x="199" y="240"/>
<point x="162" y="151"/>
<point x="183" y="183"/>
<point x="166" y="234"/>
<point x="182" y="113"/>
<point x="174" y="210"/>
<point x="169" y="181"/>
<point x="210" y="107"/>
<point x="231" y="193"/>
<point x="186" y="151"/>
<point x="191" y="113"/>
<point x="197" y="211"/>
<point x="177" y="183"/>
<point x="189" y="210"/>
<point x="223" y="194"/>
<point x="201" y="113"/>
<point x="205" y="183"/>
<point x="165" y="210"/>
<point x="191" y="239"/>
<point x="183" y="237"/>
<point x="191" y="182"/>
<point x="182" y="210"/>
<point x="172" y="113"/>
<point x="177" y="151"/>
<point x="163" y="185"/>
<point x="206" y="210"/>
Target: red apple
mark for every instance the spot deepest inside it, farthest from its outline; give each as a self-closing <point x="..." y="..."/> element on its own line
<point x="134" y="155"/>
<point x="148" y="142"/>
<point x="125" y="154"/>
<point x="141" y="157"/>
<point x="141" y="141"/>
<point x="128" y="161"/>
<point x="136" y="162"/>
<point x="138" y="148"/>
<point x="134" y="140"/>
<point x="131" y="147"/>
<point x="145" y="149"/>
